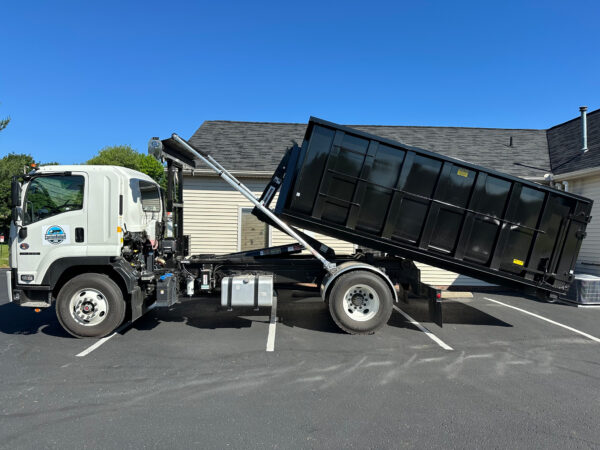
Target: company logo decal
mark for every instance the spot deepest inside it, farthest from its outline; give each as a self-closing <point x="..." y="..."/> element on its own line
<point x="55" y="235"/>
<point x="24" y="246"/>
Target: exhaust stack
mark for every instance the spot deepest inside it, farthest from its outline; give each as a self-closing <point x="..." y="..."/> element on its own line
<point x="584" y="147"/>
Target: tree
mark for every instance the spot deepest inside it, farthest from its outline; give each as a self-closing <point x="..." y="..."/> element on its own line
<point x="4" y="123"/>
<point x="10" y="165"/>
<point x="125" y="156"/>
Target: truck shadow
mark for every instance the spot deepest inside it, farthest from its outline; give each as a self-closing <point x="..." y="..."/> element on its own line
<point x="304" y="309"/>
<point x="453" y="312"/>
<point x="205" y="314"/>
<point x="17" y="320"/>
<point x="297" y="308"/>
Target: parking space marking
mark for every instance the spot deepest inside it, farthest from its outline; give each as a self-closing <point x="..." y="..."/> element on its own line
<point x="102" y="341"/>
<point x="93" y="347"/>
<point x="589" y="336"/>
<point x="272" y="327"/>
<point x="428" y="333"/>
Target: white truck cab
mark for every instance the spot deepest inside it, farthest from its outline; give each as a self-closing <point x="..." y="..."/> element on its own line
<point x="70" y="218"/>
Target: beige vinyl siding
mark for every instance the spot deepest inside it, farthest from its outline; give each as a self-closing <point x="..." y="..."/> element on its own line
<point x="439" y="277"/>
<point x="211" y="216"/>
<point x="589" y="255"/>
<point x="211" y="213"/>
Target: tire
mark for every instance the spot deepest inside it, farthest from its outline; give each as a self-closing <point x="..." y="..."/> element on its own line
<point x="360" y="302"/>
<point x="90" y="305"/>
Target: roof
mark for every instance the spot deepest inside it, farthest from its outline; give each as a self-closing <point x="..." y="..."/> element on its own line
<point x="259" y="146"/>
<point x="565" y="143"/>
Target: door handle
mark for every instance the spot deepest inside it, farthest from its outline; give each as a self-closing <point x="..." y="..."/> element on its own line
<point x="79" y="236"/>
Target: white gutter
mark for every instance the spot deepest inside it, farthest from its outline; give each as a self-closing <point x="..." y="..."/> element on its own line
<point x="269" y="174"/>
<point x="578" y="174"/>
<point x="535" y="179"/>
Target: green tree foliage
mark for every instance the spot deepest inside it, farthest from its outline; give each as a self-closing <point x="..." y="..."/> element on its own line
<point x="4" y="123"/>
<point x="11" y="164"/>
<point x="125" y="156"/>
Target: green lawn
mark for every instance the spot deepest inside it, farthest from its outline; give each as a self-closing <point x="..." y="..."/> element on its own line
<point x="3" y="255"/>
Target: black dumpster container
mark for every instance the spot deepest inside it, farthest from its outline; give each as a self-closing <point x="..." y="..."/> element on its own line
<point x="430" y="208"/>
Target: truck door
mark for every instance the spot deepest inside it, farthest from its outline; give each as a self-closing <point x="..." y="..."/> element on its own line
<point x="55" y="219"/>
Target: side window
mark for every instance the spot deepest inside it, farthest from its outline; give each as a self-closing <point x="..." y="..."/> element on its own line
<point x="150" y="196"/>
<point x="253" y="234"/>
<point x="52" y="195"/>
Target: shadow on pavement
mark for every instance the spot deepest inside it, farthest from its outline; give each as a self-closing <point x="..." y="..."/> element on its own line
<point x="18" y="320"/>
<point x="454" y="312"/>
<point x="295" y="308"/>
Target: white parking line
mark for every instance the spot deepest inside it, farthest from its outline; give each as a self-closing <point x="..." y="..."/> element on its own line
<point x="271" y="338"/>
<point x="272" y="327"/>
<point x="428" y="333"/>
<point x="589" y="336"/>
<point x="93" y="347"/>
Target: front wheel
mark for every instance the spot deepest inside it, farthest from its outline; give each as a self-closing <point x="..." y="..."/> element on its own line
<point x="360" y="302"/>
<point x="90" y="305"/>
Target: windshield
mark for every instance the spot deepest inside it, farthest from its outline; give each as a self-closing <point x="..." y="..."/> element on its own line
<point x="48" y="196"/>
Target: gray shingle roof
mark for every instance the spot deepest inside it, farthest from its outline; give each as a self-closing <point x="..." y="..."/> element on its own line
<point x="258" y="146"/>
<point x="565" y="142"/>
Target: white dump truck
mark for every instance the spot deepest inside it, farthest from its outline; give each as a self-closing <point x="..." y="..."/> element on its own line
<point x="106" y="243"/>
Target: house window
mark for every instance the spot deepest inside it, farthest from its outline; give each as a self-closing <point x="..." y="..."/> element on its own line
<point x="253" y="233"/>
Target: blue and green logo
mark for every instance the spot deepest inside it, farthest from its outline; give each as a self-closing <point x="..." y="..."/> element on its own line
<point x="55" y="235"/>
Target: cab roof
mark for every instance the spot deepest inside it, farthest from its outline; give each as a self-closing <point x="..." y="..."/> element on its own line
<point x="124" y="171"/>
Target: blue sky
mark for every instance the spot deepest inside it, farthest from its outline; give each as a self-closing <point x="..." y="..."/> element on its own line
<point x="76" y="76"/>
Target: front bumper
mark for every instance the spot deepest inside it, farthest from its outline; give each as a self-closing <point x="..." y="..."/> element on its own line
<point x="9" y="284"/>
<point x="33" y="296"/>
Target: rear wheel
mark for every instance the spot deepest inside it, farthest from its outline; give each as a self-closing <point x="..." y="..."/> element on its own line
<point x="360" y="302"/>
<point x="90" y="305"/>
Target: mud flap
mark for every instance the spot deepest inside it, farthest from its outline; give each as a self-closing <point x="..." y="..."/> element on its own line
<point x="137" y="304"/>
<point x="434" y="297"/>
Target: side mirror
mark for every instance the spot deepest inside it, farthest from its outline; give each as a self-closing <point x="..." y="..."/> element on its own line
<point x="16" y="214"/>
<point x="15" y="192"/>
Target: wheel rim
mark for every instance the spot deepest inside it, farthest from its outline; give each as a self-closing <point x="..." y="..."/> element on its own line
<point x="88" y="307"/>
<point x="361" y="302"/>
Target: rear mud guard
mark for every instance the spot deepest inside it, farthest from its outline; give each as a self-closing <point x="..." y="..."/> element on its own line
<point x="434" y="297"/>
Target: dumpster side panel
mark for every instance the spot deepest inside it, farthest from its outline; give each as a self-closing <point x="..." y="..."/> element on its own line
<point x="434" y="209"/>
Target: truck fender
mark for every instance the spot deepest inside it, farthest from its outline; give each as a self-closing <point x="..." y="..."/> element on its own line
<point x="117" y="265"/>
<point x="349" y="266"/>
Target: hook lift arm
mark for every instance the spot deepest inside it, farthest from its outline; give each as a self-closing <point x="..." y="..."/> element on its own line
<point x="187" y="153"/>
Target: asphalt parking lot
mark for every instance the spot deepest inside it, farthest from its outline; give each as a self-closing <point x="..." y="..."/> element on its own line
<point x="193" y="377"/>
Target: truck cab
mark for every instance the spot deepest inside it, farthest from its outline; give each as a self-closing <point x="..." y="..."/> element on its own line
<point x="73" y="220"/>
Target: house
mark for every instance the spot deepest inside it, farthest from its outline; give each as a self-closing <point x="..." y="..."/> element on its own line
<point x="218" y="219"/>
